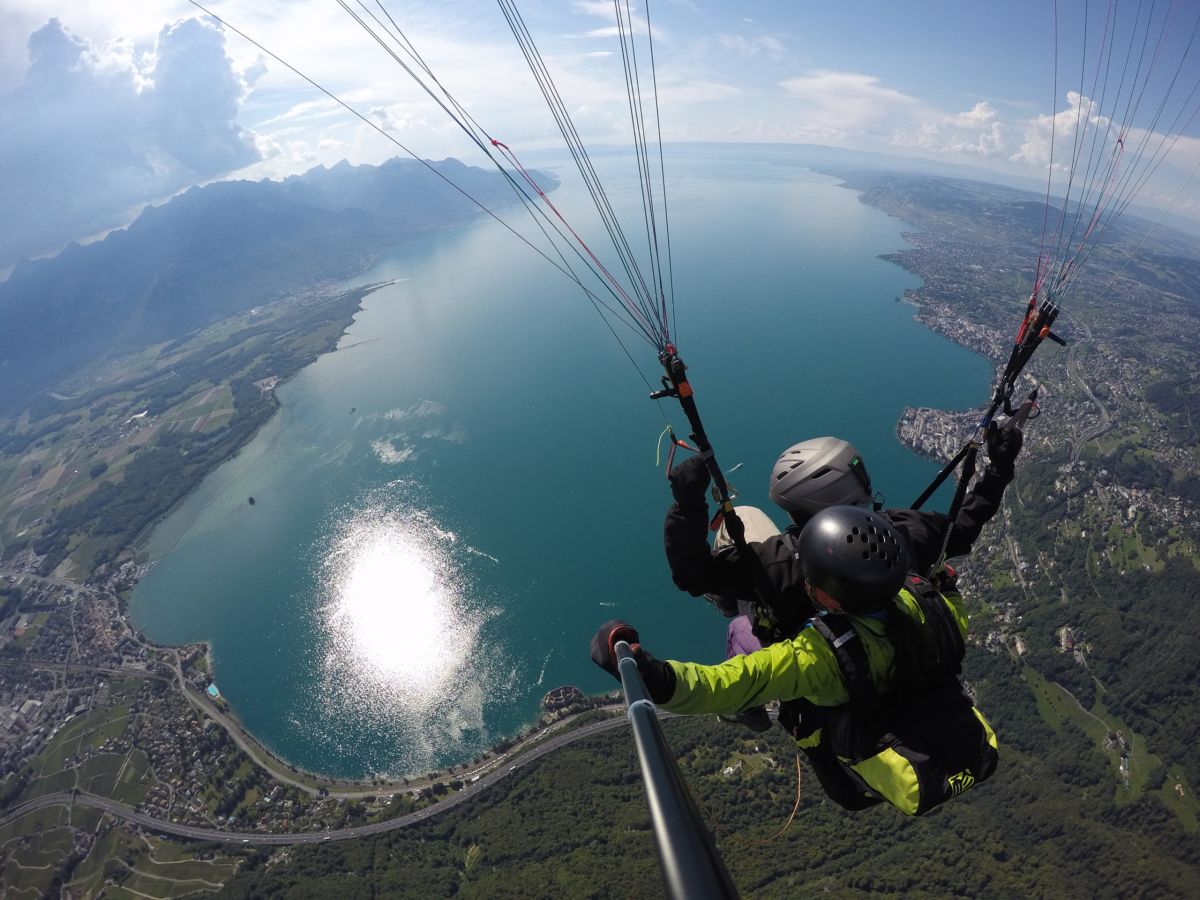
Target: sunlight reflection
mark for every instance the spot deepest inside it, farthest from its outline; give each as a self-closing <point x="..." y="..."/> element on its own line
<point x="399" y="632"/>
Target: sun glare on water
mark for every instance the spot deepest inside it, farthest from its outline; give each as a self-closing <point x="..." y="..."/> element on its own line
<point x="401" y="638"/>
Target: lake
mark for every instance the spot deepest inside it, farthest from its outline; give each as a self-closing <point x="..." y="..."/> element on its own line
<point x="448" y="505"/>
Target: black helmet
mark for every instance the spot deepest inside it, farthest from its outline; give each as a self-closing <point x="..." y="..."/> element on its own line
<point x="854" y="555"/>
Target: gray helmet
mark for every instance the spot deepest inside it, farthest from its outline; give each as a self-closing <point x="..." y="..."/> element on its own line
<point x="821" y="472"/>
<point x="854" y="555"/>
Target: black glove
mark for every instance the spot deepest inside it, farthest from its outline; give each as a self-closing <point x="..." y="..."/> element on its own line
<point x="604" y="644"/>
<point x="689" y="480"/>
<point x="1003" y="445"/>
<point x="658" y="677"/>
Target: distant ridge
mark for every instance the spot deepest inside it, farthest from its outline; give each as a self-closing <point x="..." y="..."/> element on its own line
<point x="214" y="251"/>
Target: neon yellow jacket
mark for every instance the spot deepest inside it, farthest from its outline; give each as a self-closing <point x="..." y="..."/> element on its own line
<point x="802" y="667"/>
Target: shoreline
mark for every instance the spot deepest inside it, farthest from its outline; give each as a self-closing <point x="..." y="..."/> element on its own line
<point x="932" y="433"/>
<point x="142" y="540"/>
<point x="140" y="562"/>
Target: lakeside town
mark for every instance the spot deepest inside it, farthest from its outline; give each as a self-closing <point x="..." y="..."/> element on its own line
<point x="90" y="705"/>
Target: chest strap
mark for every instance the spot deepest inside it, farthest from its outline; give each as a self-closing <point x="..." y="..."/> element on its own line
<point x="851" y="658"/>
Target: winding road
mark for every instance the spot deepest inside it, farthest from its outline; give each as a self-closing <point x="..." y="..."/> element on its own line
<point x="163" y="826"/>
<point x="1075" y="373"/>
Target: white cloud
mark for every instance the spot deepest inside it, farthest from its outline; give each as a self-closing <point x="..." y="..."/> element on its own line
<point x="1035" y="149"/>
<point x="604" y="10"/>
<point x="96" y="129"/>
<point x="848" y="102"/>
<point x="978" y="132"/>
<point x="762" y="44"/>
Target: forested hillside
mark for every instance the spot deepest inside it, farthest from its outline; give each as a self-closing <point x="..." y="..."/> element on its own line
<point x="1051" y="823"/>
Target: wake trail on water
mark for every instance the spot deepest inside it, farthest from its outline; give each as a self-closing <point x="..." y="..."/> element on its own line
<point x="477" y="552"/>
<point x="542" y="675"/>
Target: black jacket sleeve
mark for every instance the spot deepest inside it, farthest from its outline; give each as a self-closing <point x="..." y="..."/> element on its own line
<point x="694" y="566"/>
<point x="926" y="531"/>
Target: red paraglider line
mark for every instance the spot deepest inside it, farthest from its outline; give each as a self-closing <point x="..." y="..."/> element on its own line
<point x="632" y="307"/>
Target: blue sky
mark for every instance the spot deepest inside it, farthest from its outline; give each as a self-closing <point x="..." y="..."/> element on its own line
<point x="113" y="106"/>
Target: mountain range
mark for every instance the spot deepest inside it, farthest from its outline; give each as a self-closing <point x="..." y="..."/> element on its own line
<point x="217" y="250"/>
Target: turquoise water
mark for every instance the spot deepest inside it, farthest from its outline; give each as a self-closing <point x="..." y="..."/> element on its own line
<point x="448" y="505"/>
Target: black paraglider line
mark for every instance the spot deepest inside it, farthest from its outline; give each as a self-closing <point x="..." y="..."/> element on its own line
<point x="1042" y="265"/>
<point x="633" y="91"/>
<point x="1108" y="189"/>
<point x="583" y="162"/>
<point x="662" y="172"/>
<point x="574" y="145"/>
<point x="474" y="132"/>
<point x="1105" y="192"/>
<point x="483" y="143"/>
<point x="367" y="121"/>
<point x="598" y="304"/>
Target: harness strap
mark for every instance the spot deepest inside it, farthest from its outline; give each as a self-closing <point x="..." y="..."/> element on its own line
<point x="942" y="655"/>
<point x="851" y="658"/>
<point x="854" y="729"/>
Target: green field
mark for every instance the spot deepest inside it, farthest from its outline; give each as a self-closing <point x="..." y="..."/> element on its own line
<point x="149" y="867"/>
<point x="82" y="736"/>
<point x="79" y="735"/>
<point x="31" y="632"/>
<point x="135" y="781"/>
<point x="1058" y="708"/>
<point x="35" y="845"/>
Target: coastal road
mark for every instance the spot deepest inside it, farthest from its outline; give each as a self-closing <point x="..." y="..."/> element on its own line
<point x="1074" y="370"/>
<point x="51" y="666"/>
<point x="259" y="755"/>
<point x="278" y="769"/>
<point x="75" y="586"/>
<point x="313" y="785"/>
<point x="163" y="826"/>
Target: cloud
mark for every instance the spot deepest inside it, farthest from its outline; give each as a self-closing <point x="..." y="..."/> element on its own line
<point x="95" y="130"/>
<point x="762" y="44"/>
<point x="1081" y="114"/>
<point x="603" y="9"/>
<point x="848" y="102"/>
<point x="978" y="132"/>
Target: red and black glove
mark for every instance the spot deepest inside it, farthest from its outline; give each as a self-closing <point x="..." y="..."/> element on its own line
<point x="604" y="644"/>
<point x="658" y="677"/>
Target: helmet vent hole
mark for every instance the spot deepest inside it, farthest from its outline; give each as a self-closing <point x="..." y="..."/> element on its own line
<point x="866" y="554"/>
<point x="822" y="471"/>
<point x="849" y="539"/>
<point x="863" y="538"/>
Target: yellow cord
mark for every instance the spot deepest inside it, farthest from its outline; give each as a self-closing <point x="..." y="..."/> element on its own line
<point x="658" y="448"/>
<point x="737" y="838"/>
<point x="786" y="824"/>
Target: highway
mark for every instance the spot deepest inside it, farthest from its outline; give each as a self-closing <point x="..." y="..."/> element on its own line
<point x="1075" y="371"/>
<point x="162" y="826"/>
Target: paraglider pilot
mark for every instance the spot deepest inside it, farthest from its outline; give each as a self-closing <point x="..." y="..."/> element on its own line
<point x="807" y="478"/>
<point x="875" y="671"/>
